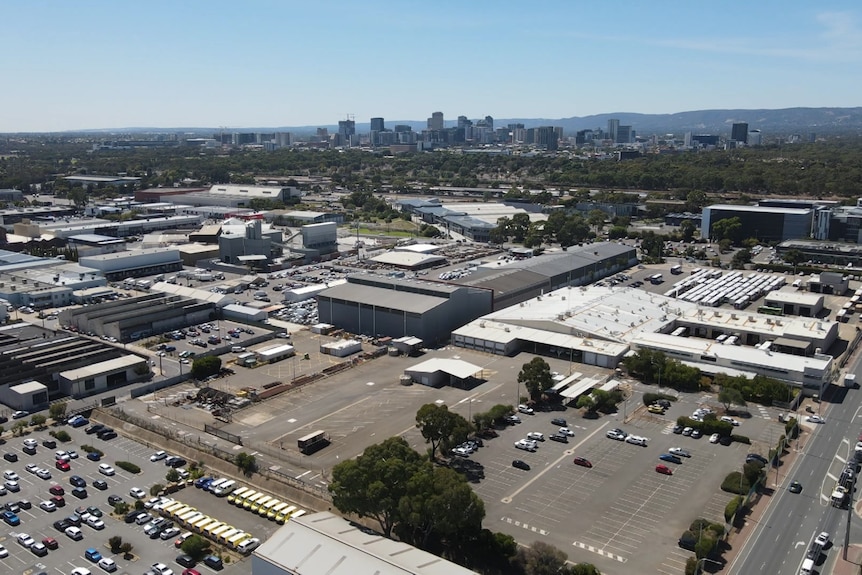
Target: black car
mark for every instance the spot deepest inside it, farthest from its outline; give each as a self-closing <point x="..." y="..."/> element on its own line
<point x="559" y="437"/>
<point x="756" y="457"/>
<point x="12" y="506"/>
<point x="77" y="481"/>
<point x="178" y="462"/>
<point x="24" y="504"/>
<point x="73" y="519"/>
<point x="664" y="403"/>
<point x="725" y="440"/>
<point x="80" y="492"/>
<point x="29" y="449"/>
<point x="61" y="525"/>
<point x="103" y="431"/>
<point x="795" y="487"/>
<point x="186" y="560"/>
<point x="559" y="421"/>
<point x="213" y="562"/>
<point x="134" y="514"/>
<point x="114" y="500"/>
<point x="107" y="436"/>
<point x="100" y="484"/>
<point x="521" y="464"/>
<point x="10" y="457"/>
<point x="50" y="443"/>
<point x="95" y="428"/>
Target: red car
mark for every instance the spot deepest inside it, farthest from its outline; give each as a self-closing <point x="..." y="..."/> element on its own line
<point x="57" y="490"/>
<point x="583" y="462"/>
<point x="191" y="572"/>
<point x="664" y="469"/>
<point x="59" y="500"/>
<point x="50" y="543"/>
<point x="63" y="466"/>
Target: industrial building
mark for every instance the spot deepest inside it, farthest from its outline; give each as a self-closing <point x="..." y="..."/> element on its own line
<point x="836" y="253"/>
<point x="766" y="223"/>
<point x="242" y="242"/>
<point x="232" y="195"/>
<point x="31" y="354"/>
<point x="48" y="286"/>
<point x="795" y="302"/>
<point x="515" y="281"/>
<point x="599" y="326"/>
<point x="326" y="544"/>
<point x="139" y="317"/>
<point x="437" y="372"/>
<point x="132" y="264"/>
<point x="376" y="305"/>
<point x="322" y="237"/>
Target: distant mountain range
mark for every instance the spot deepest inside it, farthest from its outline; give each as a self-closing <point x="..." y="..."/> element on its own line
<point x="771" y="122"/>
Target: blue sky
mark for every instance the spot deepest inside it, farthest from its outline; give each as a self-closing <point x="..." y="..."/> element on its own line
<point x="113" y="64"/>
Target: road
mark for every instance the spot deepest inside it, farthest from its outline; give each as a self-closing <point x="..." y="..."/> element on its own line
<point x="779" y="541"/>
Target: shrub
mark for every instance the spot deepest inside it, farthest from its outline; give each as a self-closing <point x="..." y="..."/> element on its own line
<point x="61" y="435"/>
<point x="731" y="508"/>
<point x="691" y="566"/>
<point x="115" y="543"/>
<point x="736" y="483"/>
<point x="156" y="489"/>
<point x="740" y="439"/>
<point x="128" y="466"/>
<point x="91" y="449"/>
<point x="791" y="428"/>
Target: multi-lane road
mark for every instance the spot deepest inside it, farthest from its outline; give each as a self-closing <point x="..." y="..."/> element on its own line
<point x="784" y="533"/>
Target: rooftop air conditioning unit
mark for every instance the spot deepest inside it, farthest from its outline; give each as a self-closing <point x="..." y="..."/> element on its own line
<point x="733" y="316"/>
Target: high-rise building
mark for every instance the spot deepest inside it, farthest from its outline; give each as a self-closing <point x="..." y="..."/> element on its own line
<point x="613" y="129"/>
<point x="435" y="122"/>
<point x="624" y="135"/>
<point x="739" y="132"/>
<point x="545" y="137"/>
<point x="754" y="138"/>
<point x="377" y="125"/>
<point x="463" y="122"/>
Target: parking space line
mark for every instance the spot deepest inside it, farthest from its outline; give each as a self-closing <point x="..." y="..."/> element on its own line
<point x="599" y="551"/>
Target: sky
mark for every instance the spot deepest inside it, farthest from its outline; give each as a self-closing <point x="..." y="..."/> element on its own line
<point x="102" y="64"/>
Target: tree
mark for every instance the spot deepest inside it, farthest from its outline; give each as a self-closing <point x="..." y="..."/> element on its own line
<point x="126" y="548"/>
<point x="246" y="463"/>
<point x="57" y="410"/>
<point x="740" y="258"/>
<point x="731" y="396"/>
<point x="195" y="546"/>
<point x="437" y="425"/>
<point x="156" y="488"/>
<point x="114" y="543"/>
<point x="793" y="257"/>
<point x="596" y="218"/>
<point x="687" y="229"/>
<point x="205" y="366"/>
<point x="373" y="484"/>
<point x="728" y="229"/>
<point x="652" y="247"/>
<point x="172" y="476"/>
<point x="536" y="377"/>
<point x="542" y="559"/>
<point x="38" y="420"/>
<point x="586" y="402"/>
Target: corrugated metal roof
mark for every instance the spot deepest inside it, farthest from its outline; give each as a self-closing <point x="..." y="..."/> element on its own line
<point x="454" y="367"/>
<point x="384" y="298"/>
<point x="101" y="367"/>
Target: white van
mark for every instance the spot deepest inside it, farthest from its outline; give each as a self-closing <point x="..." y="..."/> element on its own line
<point x="807" y="567"/>
<point x="216" y="484"/>
<point x="224" y="489"/>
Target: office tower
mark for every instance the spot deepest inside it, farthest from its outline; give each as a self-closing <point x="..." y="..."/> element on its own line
<point x="515" y="126"/>
<point x="435" y="122"/>
<point x="755" y="138"/>
<point x="613" y="129"/>
<point x="323" y="133"/>
<point x="739" y="132"/>
<point x="377" y="125"/>
<point x="687" y="140"/>
<point x="545" y="137"/>
<point x="624" y="135"/>
<point x="346" y="128"/>
<point x="489" y="122"/>
<point x="463" y="122"/>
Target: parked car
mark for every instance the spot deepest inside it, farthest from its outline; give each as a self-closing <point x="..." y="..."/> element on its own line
<point x="679" y="451"/>
<point x="521" y="464"/>
<point x="669" y="457"/>
<point x="559" y="421"/>
<point x="559" y="437"/>
<point x="526" y="409"/>
<point x="664" y="469"/>
<point x="714" y="438"/>
<point x="583" y="462"/>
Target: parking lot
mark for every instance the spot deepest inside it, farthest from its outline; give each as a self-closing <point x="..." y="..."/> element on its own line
<point x="38" y="523"/>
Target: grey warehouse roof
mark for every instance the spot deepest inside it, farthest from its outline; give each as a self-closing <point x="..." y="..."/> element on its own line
<point x="374" y="296"/>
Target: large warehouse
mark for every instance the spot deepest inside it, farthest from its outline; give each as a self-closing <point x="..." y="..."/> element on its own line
<point x="377" y="305"/>
<point x="325" y="544"/>
<point x="131" y="264"/>
<point x="599" y="326"/>
<point x="766" y="223"/>
<point x="515" y="281"/>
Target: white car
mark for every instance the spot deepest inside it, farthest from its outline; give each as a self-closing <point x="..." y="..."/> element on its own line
<point x="151" y="502"/>
<point x="162" y="569"/>
<point x="80" y="571"/>
<point x="95" y="522"/>
<point x="158" y="456"/>
<point x="525" y="445"/>
<point x="822" y="539"/>
<point x="566" y="431"/>
<point x="43" y="474"/>
<point x="526" y="409"/>
<point x="536" y="436"/>
<point x="25" y="540"/>
<point x="74" y="534"/>
<point x="72" y="454"/>
<point x="48" y="506"/>
<point x="32" y="468"/>
<point x="714" y="438"/>
<point x="10" y="475"/>
<point x="679" y="451"/>
<point x="3" y="552"/>
<point x="248" y="545"/>
<point x="12" y="486"/>
<point x="108" y="564"/>
<point x="636" y="440"/>
<point x="729" y="420"/>
<point x="815" y="419"/>
<point x="61" y="455"/>
<point x="137" y="493"/>
<point x="106" y="469"/>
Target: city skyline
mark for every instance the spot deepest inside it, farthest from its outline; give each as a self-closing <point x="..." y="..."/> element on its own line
<point x="103" y="65"/>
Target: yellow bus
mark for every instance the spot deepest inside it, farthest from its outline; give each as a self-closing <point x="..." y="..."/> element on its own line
<point x="284" y="514"/>
<point x="264" y="509"/>
<point x="255" y="507"/>
<point x="189" y="516"/>
<point x="237" y="493"/>
<point x="240" y="501"/>
<point x="224" y="536"/>
<point x="214" y="533"/>
<point x="200" y="523"/>
<point x="207" y="531"/>
<point x="249" y="501"/>
<point x="238" y="538"/>
<point x="274" y="510"/>
<point x="176" y="509"/>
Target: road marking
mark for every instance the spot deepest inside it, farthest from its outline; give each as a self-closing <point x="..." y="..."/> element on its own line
<point x="526" y="526"/>
<point x="552" y="465"/>
<point x="601" y="552"/>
